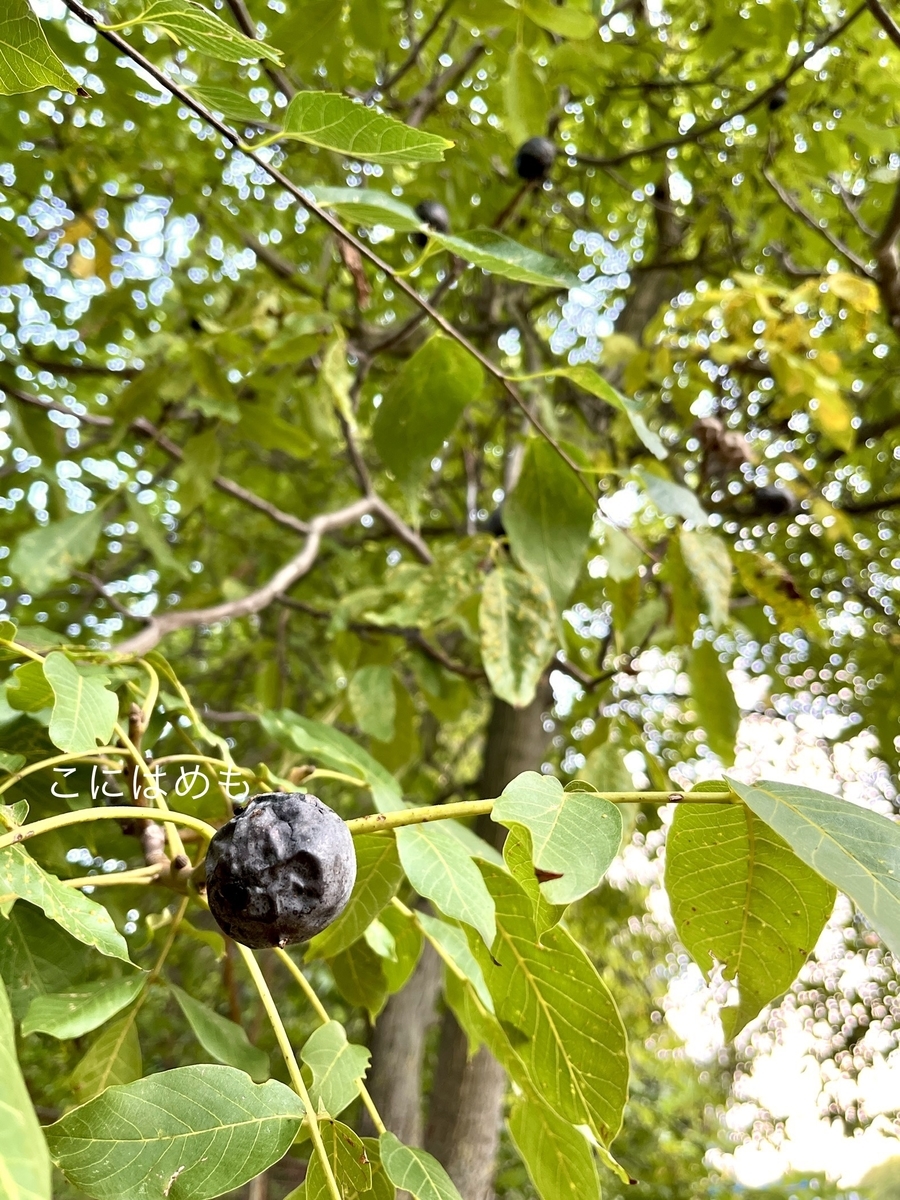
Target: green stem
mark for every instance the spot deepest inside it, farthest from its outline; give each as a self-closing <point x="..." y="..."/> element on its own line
<point x="59" y="758"/>
<point x="116" y="812"/>
<point x="322" y="1013"/>
<point x="477" y="808"/>
<point x="293" y="1066"/>
<point x="176" y="846"/>
<point x="319" y="773"/>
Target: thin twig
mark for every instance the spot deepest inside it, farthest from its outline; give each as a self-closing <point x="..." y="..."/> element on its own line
<point x="790" y="201"/>
<point x="413" y="56"/>
<point x="303" y="197"/>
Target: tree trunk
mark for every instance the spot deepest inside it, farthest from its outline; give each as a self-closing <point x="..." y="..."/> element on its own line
<point x="466" y="1108"/>
<point x="398" y="1050"/>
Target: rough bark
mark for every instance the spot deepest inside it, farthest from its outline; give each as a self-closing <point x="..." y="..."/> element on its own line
<point x="398" y="1051"/>
<point x="466" y="1108"/>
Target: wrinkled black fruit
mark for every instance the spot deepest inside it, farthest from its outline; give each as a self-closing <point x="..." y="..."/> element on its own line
<point x="534" y="158"/>
<point x="773" y="501"/>
<point x="493" y="523"/>
<point x="280" y="871"/>
<point x="435" y="216"/>
<point x="778" y="99"/>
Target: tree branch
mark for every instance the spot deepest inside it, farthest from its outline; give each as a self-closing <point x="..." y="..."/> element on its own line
<point x="701" y="131"/>
<point x="885" y="20"/>
<point x="790" y="201"/>
<point x="888" y="263"/>
<point x="147" y="429"/>
<point x="303" y="197"/>
<point x="415" y="52"/>
<point x="247" y="26"/>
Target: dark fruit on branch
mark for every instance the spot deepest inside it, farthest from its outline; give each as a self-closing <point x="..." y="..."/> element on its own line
<point x="778" y="99"/>
<point x="280" y="871"/>
<point x="534" y="158"/>
<point x="435" y="216"/>
<point x="773" y="502"/>
<point x="493" y="523"/>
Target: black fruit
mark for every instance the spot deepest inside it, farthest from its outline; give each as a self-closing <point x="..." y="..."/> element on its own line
<point x="493" y="523"/>
<point x="435" y="216"/>
<point x="534" y="158"/>
<point x="778" y="99"/>
<point x="280" y="871"/>
<point x="773" y="501"/>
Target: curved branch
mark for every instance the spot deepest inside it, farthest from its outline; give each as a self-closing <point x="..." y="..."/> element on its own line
<point x="285" y="577"/>
<point x="301" y="196"/>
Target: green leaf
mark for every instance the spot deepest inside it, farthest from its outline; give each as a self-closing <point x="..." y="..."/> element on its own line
<point x="854" y="848"/>
<point x="453" y="946"/>
<point x="713" y="699"/>
<point x="36" y="956"/>
<point x="334" y="749"/>
<point x="548" y="520"/>
<point x="707" y="558"/>
<point x="517" y="620"/>
<point x="348" y="1156"/>
<point x="566" y="21"/>
<point x="561" y="1021"/>
<point x="574" y="835"/>
<point x="501" y="255"/>
<point x="594" y="384"/>
<point x="24" y="1162"/>
<point x="335" y="122"/>
<point x="526" y="99"/>
<point x="114" y="1057"/>
<point x="441" y="870"/>
<point x="26" y="61"/>
<point x="378" y="876"/>
<point x="360" y="977"/>
<point x="558" y="1157"/>
<point x="83" y="1009"/>
<point x="422" y="405"/>
<point x="337" y="1067"/>
<point x="371" y="696"/>
<point x="193" y="25"/>
<point x="742" y="898"/>
<point x="366" y="206"/>
<point x="186" y="1134"/>
<point x="671" y="498"/>
<point x="29" y="689"/>
<point x="223" y="1039"/>
<point x="84" y="711"/>
<point x="50" y="554"/>
<point x="84" y="918"/>
<point x="232" y="105"/>
<point x="415" y="1171"/>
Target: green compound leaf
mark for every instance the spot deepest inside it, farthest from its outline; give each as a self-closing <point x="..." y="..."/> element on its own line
<point x="84" y="918"/>
<point x="594" y="384"/>
<point x="221" y="1038"/>
<point x="706" y="557"/>
<point x="567" y="22"/>
<point x="548" y="520"/>
<point x="26" y="61"/>
<point x="574" y="835"/>
<point x="501" y="255"/>
<point x="24" y="1162"/>
<point x="36" y="956"/>
<point x="334" y="749"/>
<point x="186" y="1134"/>
<point x="337" y="1067"/>
<point x="114" y="1057"/>
<point x="193" y="25"/>
<point x="49" y="555"/>
<point x="713" y="698"/>
<point x="378" y="876"/>
<point x="517" y="621"/>
<point x="82" y="1009"/>
<point x="423" y="404"/>
<point x="441" y="869"/>
<point x="84" y="710"/>
<point x="452" y="945"/>
<point x="856" y="849"/>
<point x="742" y="898"/>
<point x="558" y="1157"/>
<point x="366" y="206"/>
<point x="371" y="696"/>
<point x="350" y="1159"/>
<point x="29" y="689"/>
<point x="335" y="122"/>
<point x="561" y="1021"/>
<point x="415" y="1171"/>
